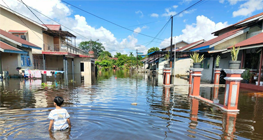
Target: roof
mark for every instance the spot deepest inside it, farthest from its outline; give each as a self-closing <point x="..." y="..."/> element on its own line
<point x="9" y="49"/>
<point x="217" y="39"/>
<point x="245" y="20"/>
<point x="19" y="15"/>
<point x="114" y="58"/>
<point x="55" y="27"/>
<point x="23" y="42"/>
<point x="176" y="43"/>
<point x="255" y="40"/>
<point x="189" y="46"/>
<point x="17" y="31"/>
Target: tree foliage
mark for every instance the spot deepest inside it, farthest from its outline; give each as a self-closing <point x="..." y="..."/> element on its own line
<point x="152" y="49"/>
<point x="87" y="46"/>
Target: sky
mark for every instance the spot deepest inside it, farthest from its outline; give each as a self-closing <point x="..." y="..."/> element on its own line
<point x="146" y="17"/>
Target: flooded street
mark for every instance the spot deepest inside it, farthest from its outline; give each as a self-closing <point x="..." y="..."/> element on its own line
<point x="104" y="111"/>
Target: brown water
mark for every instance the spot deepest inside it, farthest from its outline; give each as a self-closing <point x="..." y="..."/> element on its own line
<point x="104" y="111"/>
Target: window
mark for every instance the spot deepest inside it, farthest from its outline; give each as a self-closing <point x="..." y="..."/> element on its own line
<point x="23" y="37"/>
<point x="25" y="60"/>
<point x="81" y="67"/>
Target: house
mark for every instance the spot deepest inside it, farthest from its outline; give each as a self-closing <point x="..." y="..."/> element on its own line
<point x="245" y="34"/>
<point x="183" y="61"/>
<point x="15" y="53"/>
<point x="178" y="45"/>
<point x="58" y="49"/>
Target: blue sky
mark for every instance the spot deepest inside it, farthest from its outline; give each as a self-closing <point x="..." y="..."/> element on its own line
<point x="195" y="24"/>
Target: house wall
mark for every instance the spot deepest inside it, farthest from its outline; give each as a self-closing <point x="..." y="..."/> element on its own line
<point x="10" y="62"/>
<point x="87" y="69"/>
<point x="9" y="21"/>
<point x="207" y="73"/>
<point x="230" y="42"/>
<point x="161" y="64"/>
<point x="182" y="66"/>
<point x="48" y="41"/>
<point x="54" y="62"/>
<point x="254" y="30"/>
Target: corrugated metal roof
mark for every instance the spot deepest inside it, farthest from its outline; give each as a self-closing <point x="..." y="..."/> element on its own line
<point x="17" y="31"/>
<point x="54" y="27"/>
<point x="8" y="48"/>
<point x="189" y="46"/>
<point x="17" y="39"/>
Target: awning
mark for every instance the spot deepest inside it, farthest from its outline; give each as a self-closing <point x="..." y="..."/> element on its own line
<point x="217" y="51"/>
<point x="18" y="31"/>
<point x="10" y="49"/>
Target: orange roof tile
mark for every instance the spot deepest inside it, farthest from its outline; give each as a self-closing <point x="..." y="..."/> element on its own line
<point x="55" y="27"/>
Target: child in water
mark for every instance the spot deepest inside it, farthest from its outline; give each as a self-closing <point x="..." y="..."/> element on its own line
<point x="59" y="116"/>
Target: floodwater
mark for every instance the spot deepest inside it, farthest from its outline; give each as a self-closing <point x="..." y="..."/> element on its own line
<point x="104" y="110"/>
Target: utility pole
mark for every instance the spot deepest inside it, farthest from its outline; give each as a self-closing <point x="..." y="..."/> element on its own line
<point x="137" y="58"/>
<point x="171" y="49"/>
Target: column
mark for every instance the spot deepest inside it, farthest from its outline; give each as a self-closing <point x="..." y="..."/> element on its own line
<point x="73" y="68"/>
<point x="1" y="69"/>
<point x="229" y="124"/>
<point x="166" y="95"/>
<point x="233" y="79"/>
<point x="194" y="113"/>
<point x="167" y="76"/>
<point x="65" y="67"/>
<point x="217" y="76"/>
<point x="190" y="82"/>
<point x="215" y="95"/>
<point x="44" y="68"/>
<point x="196" y="79"/>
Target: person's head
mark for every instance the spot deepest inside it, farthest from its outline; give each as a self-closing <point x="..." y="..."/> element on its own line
<point x="58" y="101"/>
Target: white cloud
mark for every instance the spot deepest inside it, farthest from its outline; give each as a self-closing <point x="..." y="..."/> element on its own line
<point x="202" y="29"/>
<point x="248" y="8"/>
<point x="186" y="12"/>
<point x="175" y="6"/>
<point x="139" y="29"/>
<point x="154" y="15"/>
<point x="184" y="20"/>
<point x="63" y="14"/>
<point x="168" y="13"/>
<point x="233" y="2"/>
<point x="139" y="12"/>
<point x="221" y="1"/>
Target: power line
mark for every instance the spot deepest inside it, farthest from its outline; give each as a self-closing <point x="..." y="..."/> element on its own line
<point x="34" y="13"/>
<point x="187" y="8"/>
<point x="173" y="16"/>
<point x="22" y="20"/>
<point x="159" y="32"/>
<point x="109" y="21"/>
<point x="55" y="21"/>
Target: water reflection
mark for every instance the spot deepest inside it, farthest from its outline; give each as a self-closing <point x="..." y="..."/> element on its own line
<point x="104" y="111"/>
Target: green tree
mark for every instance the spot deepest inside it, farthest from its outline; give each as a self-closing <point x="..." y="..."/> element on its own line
<point x="97" y="47"/>
<point x="152" y="49"/>
<point x="117" y="55"/>
<point x="104" y="55"/>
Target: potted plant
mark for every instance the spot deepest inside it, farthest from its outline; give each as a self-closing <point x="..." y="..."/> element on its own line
<point x="246" y="75"/>
<point x="197" y="59"/>
<point x="217" y="61"/>
<point x="234" y="64"/>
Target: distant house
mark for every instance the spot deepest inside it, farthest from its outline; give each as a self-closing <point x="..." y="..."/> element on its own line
<point x="178" y="45"/>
